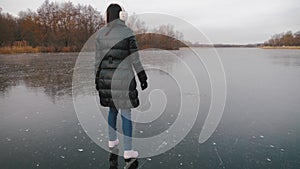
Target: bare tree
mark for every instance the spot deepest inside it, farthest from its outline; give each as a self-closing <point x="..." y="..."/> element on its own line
<point x="284" y="39"/>
<point x="8" y="29"/>
<point x="138" y="26"/>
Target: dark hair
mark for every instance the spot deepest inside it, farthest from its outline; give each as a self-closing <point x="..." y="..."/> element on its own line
<point x="112" y="12"/>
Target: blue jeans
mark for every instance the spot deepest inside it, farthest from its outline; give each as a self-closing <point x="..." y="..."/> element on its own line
<point x="126" y="126"/>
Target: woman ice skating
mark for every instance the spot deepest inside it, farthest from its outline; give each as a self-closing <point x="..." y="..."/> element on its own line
<point x="116" y="57"/>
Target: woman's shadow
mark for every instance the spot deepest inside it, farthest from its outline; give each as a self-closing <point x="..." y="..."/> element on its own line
<point x="113" y="160"/>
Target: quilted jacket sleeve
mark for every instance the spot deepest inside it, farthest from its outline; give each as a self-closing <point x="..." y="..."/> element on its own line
<point x="98" y="57"/>
<point x="135" y="60"/>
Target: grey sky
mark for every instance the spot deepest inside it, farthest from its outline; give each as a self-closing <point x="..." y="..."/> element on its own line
<point x="223" y="21"/>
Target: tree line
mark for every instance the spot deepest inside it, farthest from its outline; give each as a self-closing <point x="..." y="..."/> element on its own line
<point x="56" y="27"/>
<point x="284" y="39"/>
<point x="53" y="26"/>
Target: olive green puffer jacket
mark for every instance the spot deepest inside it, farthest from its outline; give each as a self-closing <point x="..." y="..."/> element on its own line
<point x="116" y="56"/>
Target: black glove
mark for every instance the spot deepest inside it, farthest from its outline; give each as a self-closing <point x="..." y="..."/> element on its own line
<point x="144" y="85"/>
<point x="143" y="79"/>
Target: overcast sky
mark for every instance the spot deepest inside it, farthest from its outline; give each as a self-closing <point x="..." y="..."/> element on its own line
<point x="223" y="21"/>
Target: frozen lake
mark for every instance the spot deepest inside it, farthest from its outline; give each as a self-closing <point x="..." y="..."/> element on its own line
<point x="259" y="129"/>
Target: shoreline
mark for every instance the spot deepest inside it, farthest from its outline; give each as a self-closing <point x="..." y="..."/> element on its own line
<point x="38" y="49"/>
<point x="280" y="47"/>
<point x="29" y="49"/>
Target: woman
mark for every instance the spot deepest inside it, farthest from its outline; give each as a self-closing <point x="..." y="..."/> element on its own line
<point x="116" y="56"/>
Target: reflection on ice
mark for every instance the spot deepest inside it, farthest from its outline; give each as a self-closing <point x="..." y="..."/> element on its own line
<point x="52" y="72"/>
<point x="259" y="129"/>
